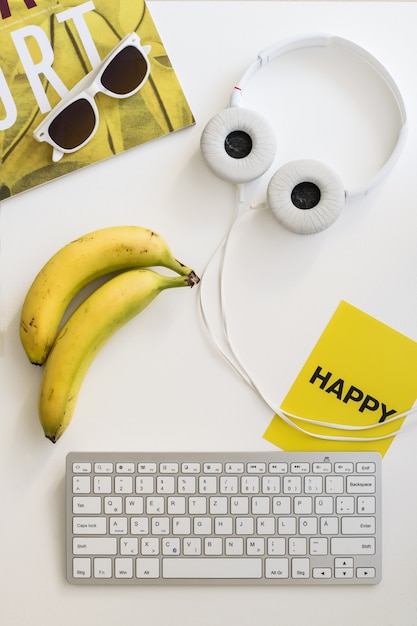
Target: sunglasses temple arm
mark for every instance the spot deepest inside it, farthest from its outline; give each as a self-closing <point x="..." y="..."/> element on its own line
<point x="56" y="154"/>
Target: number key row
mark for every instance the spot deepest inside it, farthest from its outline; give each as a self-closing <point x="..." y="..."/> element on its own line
<point x="189" y="484"/>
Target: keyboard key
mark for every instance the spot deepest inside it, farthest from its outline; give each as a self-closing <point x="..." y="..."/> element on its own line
<point x="118" y="525"/>
<point x="134" y="505"/>
<point x="281" y="506"/>
<point x="81" y="568"/>
<point x="323" y="505"/>
<point x="81" y="484"/>
<point x="86" y="505"/>
<point x="171" y="546"/>
<point x="322" y="468"/>
<point x="234" y="468"/>
<point x="300" y="568"/>
<point x="139" y="525"/>
<point x="358" y="525"/>
<point x="256" y="468"/>
<point x="165" y="484"/>
<point x="190" y="468"/>
<point x="292" y="484"/>
<point x="103" y="468"/>
<point x="287" y="525"/>
<point x="343" y="468"/>
<point x="345" y="504"/>
<point x="334" y="484"/>
<point x="169" y="468"/>
<point x="187" y="484"/>
<point x="149" y="546"/>
<point x="102" y="484"/>
<point x="238" y="568"/>
<point x="277" y="468"/>
<point x="123" y="484"/>
<point x="192" y="546"/>
<point x="146" y="468"/>
<point x="322" y="572"/>
<point x="239" y="505"/>
<point x="276" y="545"/>
<point x="313" y="484"/>
<point x="342" y="572"/>
<point x="365" y="572"/>
<point x="329" y="525"/>
<point x="218" y="505"/>
<point x="113" y="505"/>
<point x="95" y="545"/>
<point x="255" y="546"/>
<point x="207" y="484"/>
<point x="197" y="506"/>
<point x="229" y="484"/>
<point x="300" y="468"/>
<point x="89" y="525"/>
<point x="352" y="545"/>
<point x="361" y="484"/>
<point x="129" y="545"/>
<point x="144" y="484"/>
<point x="276" y="568"/>
<point x="212" y="468"/>
<point x="250" y="484"/>
<point x="147" y="568"/>
<point x="123" y="568"/>
<point x="319" y="546"/>
<point x="125" y="468"/>
<point x="365" y="468"/>
<point x="81" y="468"/>
<point x="103" y="568"/>
<point x="271" y="484"/>
<point x="366" y="504"/>
<point x="213" y="546"/>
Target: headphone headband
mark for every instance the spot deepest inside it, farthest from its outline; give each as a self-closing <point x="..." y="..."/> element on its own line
<point x="275" y="51"/>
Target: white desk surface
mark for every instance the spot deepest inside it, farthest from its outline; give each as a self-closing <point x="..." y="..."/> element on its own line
<point x="158" y="384"/>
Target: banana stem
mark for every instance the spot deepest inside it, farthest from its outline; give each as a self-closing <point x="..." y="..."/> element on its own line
<point x="184" y="280"/>
<point x="192" y="279"/>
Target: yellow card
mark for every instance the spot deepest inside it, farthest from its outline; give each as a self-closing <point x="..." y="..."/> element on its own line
<point x="361" y="372"/>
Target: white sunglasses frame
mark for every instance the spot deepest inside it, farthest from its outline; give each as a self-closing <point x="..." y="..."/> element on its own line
<point x="87" y="88"/>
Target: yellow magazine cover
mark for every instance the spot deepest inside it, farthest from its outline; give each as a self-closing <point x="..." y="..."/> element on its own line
<point x="80" y="81"/>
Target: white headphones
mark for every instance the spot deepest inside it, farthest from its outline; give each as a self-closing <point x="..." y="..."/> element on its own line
<point x="305" y="196"/>
<point x="239" y="146"/>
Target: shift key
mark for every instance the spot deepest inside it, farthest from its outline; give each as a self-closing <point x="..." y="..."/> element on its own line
<point x="94" y="545"/>
<point x="352" y="545"/>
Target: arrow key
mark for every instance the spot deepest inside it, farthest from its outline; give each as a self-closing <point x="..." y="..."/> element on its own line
<point x="322" y="572"/>
<point x="345" y="572"/>
<point x="343" y="563"/>
<point x="365" y="572"/>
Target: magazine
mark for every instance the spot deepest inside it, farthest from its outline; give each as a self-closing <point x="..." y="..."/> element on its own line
<point x="58" y="54"/>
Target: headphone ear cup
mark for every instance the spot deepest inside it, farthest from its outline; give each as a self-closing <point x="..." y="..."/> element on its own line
<point x="306" y="196"/>
<point x="238" y="145"/>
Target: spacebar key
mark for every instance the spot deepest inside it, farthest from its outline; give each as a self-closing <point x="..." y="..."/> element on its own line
<point x="211" y="568"/>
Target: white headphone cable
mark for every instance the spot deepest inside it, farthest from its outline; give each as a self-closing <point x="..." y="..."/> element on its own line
<point x="237" y="365"/>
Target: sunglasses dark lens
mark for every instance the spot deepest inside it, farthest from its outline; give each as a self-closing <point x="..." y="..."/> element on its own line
<point x="125" y="72"/>
<point x="73" y="125"/>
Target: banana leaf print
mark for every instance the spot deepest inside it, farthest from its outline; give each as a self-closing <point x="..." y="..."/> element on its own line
<point x="159" y="108"/>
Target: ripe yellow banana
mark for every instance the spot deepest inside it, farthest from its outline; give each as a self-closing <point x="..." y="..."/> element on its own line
<point x="75" y="265"/>
<point x="85" y="332"/>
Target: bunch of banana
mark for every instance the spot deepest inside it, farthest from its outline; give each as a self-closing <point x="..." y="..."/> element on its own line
<point x="78" y="264"/>
<point x="67" y="352"/>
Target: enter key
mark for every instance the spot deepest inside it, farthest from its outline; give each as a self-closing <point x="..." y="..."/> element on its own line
<point x="358" y="525"/>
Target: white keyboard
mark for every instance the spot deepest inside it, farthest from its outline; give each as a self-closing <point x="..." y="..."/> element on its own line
<point x="247" y="518"/>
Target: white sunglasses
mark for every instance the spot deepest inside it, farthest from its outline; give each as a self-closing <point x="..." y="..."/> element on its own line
<point x="75" y="119"/>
